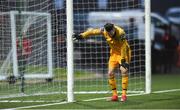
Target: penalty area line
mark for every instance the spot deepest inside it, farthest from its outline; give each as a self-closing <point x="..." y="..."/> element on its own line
<point x="60" y="103"/>
<point x="42" y="105"/>
<point x="109" y="97"/>
<point x="94" y="99"/>
<point x="164" y="91"/>
<point x="155" y="92"/>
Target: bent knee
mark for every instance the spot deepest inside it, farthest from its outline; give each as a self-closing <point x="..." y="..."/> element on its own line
<point x="110" y="74"/>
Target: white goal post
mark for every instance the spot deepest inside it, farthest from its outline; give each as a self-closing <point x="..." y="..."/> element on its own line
<point x="70" y="30"/>
<point x="148" y="45"/>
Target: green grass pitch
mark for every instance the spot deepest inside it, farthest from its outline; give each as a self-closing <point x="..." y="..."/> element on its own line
<point x="161" y="100"/>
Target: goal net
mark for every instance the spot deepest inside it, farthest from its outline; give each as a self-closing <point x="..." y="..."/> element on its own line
<point x="39" y="26"/>
<point x="92" y="55"/>
<point x="26" y="51"/>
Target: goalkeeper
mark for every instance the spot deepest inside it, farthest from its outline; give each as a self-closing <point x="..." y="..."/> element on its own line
<point x="120" y="54"/>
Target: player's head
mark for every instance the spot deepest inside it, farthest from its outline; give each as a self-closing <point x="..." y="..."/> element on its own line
<point x="109" y="27"/>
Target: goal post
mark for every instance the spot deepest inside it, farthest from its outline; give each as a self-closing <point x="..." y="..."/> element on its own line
<point x="70" y="60"/>
<point x="87" y="15"/>
<point x="148" y="46"/>
<point x="14" y="47"/>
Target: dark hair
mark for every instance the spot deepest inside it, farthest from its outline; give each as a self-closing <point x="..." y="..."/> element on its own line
<point x="108" y="27"/>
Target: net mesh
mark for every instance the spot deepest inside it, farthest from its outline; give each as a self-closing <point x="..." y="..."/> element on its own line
<point x="90" y="56"/>
<point x="32" y="20"/>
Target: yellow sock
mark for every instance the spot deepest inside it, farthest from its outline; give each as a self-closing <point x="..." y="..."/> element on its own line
<point x="124" y="84"/>
<point x="112" y="83"/>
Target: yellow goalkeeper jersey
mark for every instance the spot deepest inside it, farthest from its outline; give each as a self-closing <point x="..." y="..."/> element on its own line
<point x="117" y="43"/>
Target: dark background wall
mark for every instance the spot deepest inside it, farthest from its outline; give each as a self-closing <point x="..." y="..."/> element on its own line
<point x="161" y="6"/>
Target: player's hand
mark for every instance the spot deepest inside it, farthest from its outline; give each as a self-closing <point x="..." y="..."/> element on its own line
<point x="124" y="64"/>
<point x="77" y="37"/>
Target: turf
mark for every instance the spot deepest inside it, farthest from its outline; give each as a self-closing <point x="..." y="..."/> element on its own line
<point x="152" y="101"/>
<point x="160" y="82"/>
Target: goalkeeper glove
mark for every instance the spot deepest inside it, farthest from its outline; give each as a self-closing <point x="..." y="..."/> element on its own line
<point x="77" y="37"/>
<point x="124" y="64"/>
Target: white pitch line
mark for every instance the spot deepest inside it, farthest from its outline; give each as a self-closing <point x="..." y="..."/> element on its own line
<point x="109" y="97"/>
<point x="27" y="101"/>
<point x="60" y="103"/>
<point x="171" y="90"/>
<point x="42" y="105"/>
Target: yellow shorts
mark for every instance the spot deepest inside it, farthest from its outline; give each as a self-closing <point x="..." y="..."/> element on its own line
<point x="115" y="61"/>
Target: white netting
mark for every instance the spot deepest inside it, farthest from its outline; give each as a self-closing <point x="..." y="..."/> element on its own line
<point x="33" y="27"/>
<point x="6" y="50"/>
<point x="90" y="56"/>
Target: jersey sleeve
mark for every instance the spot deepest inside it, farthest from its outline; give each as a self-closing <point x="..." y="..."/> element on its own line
<point x="92" y="31"/>
<point x="121" y="34"/>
